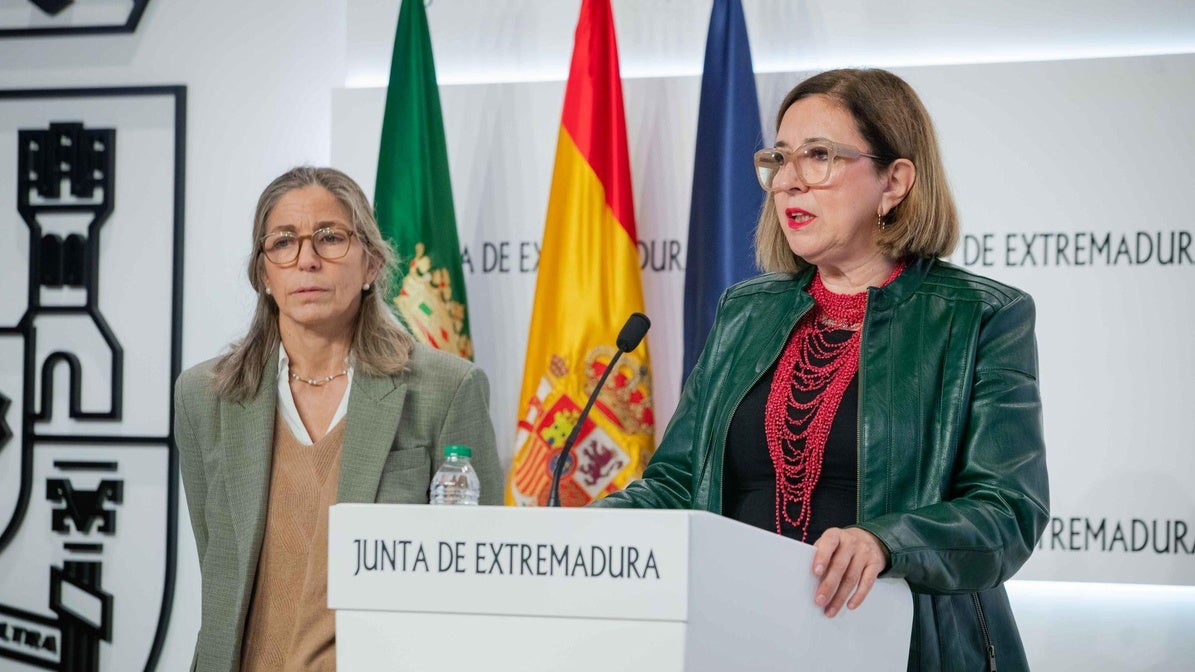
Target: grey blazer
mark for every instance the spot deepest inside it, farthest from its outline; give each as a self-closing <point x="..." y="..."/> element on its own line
<point x="396" y="430"/>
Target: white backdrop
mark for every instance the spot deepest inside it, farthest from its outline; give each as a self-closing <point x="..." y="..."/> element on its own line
<point x="261" y="77"/>
<point x="1057" y="167"/>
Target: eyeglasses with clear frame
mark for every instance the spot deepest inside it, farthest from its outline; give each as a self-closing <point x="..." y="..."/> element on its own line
<point x="330" y="243"/>
<point x="814" y="162"/>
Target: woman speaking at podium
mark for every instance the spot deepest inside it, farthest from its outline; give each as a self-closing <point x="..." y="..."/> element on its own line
<point x="864" y="396"/>
<point x="326" y="399"/>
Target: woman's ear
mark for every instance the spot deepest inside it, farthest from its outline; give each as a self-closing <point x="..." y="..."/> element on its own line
<point x="901" y="176"/>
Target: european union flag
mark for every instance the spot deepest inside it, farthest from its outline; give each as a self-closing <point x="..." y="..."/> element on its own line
<point x="726" y="198"/>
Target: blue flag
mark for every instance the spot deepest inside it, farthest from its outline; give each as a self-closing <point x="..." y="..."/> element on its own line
<point x="726" y="197"/>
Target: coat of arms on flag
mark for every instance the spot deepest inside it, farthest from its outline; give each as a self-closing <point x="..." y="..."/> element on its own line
<point x="428" y="308"/>
<point x="614" y="443"/>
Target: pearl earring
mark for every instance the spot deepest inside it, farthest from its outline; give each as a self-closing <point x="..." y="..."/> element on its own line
<point x="366" y="287"/>
<point x="268" y="291"/>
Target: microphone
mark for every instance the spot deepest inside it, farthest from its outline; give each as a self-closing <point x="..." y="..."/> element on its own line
<point x="628" y="339"/>
<point x="632" y="333"/>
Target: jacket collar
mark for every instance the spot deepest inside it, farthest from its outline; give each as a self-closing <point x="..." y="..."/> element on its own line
<point x="895" y="292"/>
<point x="883" y="298"/>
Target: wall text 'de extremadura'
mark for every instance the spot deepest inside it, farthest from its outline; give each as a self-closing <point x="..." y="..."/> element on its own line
<point x="1153" y="536"/>
<point x="1077" y="248"/>
<point x="505" y="559"/>
<point x="659" y="255"/>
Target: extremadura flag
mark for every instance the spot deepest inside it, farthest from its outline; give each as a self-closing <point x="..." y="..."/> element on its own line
<point x="413" y="196"/>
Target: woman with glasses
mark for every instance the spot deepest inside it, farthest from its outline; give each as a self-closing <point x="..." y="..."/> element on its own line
<point x="865" y="396"/>
<point x="326" y="399"/>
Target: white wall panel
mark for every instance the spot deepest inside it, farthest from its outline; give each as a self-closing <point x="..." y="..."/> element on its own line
<point x="262" y="79"/>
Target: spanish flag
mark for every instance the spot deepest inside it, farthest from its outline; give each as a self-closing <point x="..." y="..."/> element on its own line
<point x="588" y="284"/>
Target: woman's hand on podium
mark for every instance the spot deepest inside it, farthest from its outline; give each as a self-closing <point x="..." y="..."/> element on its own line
<point x="847" y="561"/>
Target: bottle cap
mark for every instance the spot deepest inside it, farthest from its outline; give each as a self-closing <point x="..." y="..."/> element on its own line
<point x="457" y="451"/>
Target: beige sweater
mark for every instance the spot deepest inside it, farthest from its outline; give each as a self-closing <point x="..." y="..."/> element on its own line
<point x="289" y="625"/>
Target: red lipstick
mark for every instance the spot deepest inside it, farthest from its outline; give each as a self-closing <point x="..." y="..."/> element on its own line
<point x="797" y="218"/>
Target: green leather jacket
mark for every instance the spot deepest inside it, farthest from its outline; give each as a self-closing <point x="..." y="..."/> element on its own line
<point x="952" y="466"/>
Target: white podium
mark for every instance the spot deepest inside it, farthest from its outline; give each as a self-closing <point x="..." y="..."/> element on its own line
<point x="492" y="589"/>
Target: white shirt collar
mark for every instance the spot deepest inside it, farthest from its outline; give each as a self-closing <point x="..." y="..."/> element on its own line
<point x="290" y="411"/>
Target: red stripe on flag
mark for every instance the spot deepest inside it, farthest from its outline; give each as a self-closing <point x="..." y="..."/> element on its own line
<point x="532" y="467"/>
<point x="593" y="110"/>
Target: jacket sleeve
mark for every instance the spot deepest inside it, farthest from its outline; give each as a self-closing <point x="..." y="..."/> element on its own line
<point x="190" y="465"/>
<point x="668" y="480"/>
<point x="998" y="503"/>
<point x="468" y="423"/>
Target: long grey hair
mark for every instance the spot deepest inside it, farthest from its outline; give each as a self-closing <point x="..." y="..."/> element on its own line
<point x="380" y="346"/>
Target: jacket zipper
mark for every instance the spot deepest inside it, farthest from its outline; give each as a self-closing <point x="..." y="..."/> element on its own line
<point x="859" y="423"/>
<point x="983" y="628"/>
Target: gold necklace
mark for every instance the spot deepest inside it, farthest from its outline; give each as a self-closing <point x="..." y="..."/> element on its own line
<point x="318" y="382"/>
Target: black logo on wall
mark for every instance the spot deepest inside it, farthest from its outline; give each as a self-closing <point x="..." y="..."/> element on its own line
<point x="70" y="17"/>
<point x="89" y="348"/>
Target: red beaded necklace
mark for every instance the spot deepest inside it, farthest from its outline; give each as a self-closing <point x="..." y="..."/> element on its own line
<point x="812" y="375"/>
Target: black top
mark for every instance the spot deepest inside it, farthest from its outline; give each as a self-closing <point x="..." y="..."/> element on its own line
<point x="749" y="480"/>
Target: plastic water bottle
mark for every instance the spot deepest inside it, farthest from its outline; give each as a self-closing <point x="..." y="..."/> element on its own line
<point x="456" y="482"/>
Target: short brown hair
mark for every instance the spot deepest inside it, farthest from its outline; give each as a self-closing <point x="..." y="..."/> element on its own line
<point x="893" y="121"/>
<point x="380" y="346"/>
